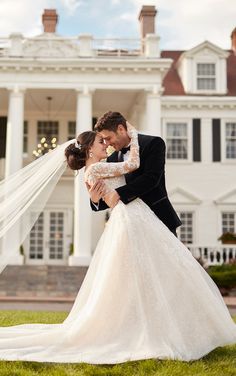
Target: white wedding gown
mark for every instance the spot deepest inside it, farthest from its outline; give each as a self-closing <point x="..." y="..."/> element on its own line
<point x="144" y="296"/>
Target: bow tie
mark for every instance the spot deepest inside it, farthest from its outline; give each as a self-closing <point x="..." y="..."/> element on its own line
<point x="124" y="150"/>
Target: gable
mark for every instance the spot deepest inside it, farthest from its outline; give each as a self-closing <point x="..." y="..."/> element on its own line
<point x="205" y="48"/>
<point x="228" y="198"/>
<point x="181" y="196"/>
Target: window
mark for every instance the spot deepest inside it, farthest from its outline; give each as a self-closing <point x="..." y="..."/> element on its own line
<point x="25" y="138"/>
<point x="56" y="244"/>
<point x="36" y="239"/>
<point x="47" y="129"/>
<point x="177" y="140"/>
<point x="186" y="230"/>
<point x="230" y="138"/>
<point x="71" y="130"/>
<point x="228" y="222"/>
<point x="206" y="76"/>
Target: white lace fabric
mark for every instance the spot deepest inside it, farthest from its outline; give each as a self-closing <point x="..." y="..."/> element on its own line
<point x="115" y="169"/>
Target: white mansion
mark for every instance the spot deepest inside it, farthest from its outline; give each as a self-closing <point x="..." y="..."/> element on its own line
<point x="56" y="87"/>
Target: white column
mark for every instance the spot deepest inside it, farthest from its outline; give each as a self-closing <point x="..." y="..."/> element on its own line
<point x="16" y="44"/>
<point x="15" y="131"/>
<point x="206" y="140"/>
<point x="152" y="45"/>
<point x="82" y="211"/>
<point x="86" y="45"/>
<point x="14" y="161"/>
<point x="153" y="112"/>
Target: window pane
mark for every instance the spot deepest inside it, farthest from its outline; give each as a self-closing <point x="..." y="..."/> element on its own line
<point x="231" y="130"/>
<point x="206" y="84"/>
<point x="47" y="129"/>
<point x="205" y="69"/>
<point x="177" y="149"/>
<point x="71" y="130"/>
<point x="56" y="235"/>
<point x="36" y="236"/>
<point x="206" y="76"/>
<point x="230" y="140"/>
<point x="177" y="142"/>
<point x="228" y="222"/>
<point x="186" y="230"/>
<point x="176" y="130"/>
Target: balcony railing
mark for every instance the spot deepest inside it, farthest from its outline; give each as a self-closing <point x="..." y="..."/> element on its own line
<point x="214" y="254"/>
<point x="118" y="47"/>
<point x="85" y="45"/>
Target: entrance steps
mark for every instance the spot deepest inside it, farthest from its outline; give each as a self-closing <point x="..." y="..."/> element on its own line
<point x="52" y="282"/>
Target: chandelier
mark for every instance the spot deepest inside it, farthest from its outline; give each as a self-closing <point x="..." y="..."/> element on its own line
<point x="44" y="147"/>
<point x="47" y="143"/>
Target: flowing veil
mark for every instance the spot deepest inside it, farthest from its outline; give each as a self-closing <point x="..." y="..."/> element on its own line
<point x="23" y="196"/>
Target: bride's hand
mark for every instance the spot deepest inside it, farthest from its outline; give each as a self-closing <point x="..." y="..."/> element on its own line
<point x="111" y="198"/>
<point x="96" y="191"/>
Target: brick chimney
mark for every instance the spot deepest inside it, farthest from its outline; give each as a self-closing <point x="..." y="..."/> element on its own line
<point x="147" y="20"/>
<point x="49" y="19"/>
<point x="233" y="39"/>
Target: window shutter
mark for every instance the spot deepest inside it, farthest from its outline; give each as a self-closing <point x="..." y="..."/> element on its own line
<point x="216" y="140"/>
<point x="197" y="140"/>
<point x="3" y="136"/>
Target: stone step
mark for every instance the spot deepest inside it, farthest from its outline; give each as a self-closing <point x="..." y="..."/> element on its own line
<point x="41" y="281"/>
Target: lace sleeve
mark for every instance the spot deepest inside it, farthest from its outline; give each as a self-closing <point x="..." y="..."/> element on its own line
<point x="106" y="170"/>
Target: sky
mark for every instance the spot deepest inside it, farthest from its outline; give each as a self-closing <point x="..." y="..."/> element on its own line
<point x="181" y="24"/>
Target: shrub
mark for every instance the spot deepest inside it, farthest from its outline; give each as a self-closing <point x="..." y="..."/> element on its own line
<point x="228" y="237"/>
<point x="223" y="275"/>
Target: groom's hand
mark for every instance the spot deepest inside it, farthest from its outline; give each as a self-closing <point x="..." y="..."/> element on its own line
<point x="96" y="191"/>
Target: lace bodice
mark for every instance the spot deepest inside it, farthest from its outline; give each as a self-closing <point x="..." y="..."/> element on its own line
<point x="113" y="172"/>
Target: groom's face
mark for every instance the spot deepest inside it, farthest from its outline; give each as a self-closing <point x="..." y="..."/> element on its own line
<point x="118" y="139"/>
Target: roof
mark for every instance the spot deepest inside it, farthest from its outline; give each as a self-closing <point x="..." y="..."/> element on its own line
<point x="172" y="82"/>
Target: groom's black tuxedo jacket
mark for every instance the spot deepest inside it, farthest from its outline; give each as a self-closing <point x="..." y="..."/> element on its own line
<point x="148" y="181"/>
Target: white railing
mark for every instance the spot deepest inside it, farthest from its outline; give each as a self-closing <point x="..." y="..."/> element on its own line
<point x="85" y="45"/>
<point x="213" y="255"/>
<point x="118" y="47"/>
<point x="5" y="45"/>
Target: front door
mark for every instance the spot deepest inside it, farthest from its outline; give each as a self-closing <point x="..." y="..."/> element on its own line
<point x="50" y="238"/>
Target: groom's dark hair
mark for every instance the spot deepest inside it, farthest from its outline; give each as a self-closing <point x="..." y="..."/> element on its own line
<point x="110" y="121"/>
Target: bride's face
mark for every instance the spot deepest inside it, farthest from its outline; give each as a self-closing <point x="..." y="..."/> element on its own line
<point x="98" y="149"/>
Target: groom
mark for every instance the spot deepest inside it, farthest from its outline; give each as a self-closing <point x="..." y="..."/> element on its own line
<point x="147" y="182"/>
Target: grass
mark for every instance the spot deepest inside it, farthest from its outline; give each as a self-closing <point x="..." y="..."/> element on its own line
<point x="220" y="362"/>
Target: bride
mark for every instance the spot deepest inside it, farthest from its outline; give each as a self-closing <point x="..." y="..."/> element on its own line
<point x="144" y="294"/>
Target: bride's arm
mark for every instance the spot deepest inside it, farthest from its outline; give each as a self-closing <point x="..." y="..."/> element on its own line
<point x="106" y="170"/>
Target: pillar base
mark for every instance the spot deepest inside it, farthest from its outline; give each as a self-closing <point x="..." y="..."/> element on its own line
<point x="17" y="260"/>
<point x="79" y="260"/>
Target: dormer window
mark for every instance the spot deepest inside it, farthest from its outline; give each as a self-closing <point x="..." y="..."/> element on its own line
<point x="206" y="76"/>
<point x="203" y="70"/>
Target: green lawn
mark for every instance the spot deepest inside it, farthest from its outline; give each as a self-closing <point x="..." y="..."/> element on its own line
<point x="220" y="362"/>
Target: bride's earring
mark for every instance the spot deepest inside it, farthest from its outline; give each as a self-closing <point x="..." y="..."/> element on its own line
<point x="90" y="154"/>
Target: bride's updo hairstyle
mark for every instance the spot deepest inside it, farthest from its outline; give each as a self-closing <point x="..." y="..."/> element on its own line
<point x="77" y="153"/>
